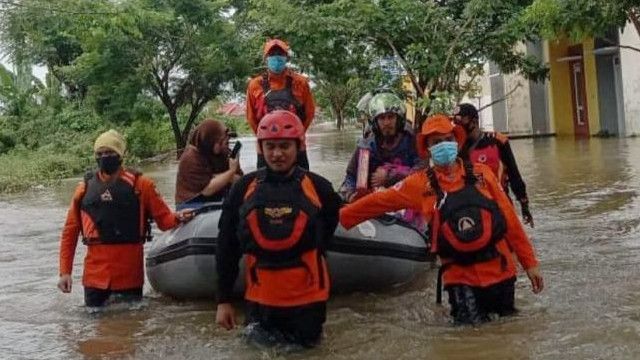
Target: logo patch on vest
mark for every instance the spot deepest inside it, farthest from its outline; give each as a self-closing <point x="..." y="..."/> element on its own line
<point x="277" y="213"/>
<point x="106" y="196"/>
<point x="466" y="224"/>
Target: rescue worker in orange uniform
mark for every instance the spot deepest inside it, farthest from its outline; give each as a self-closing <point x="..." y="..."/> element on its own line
<point x="474" y="226"/>
<point x="279" y="88"/>
<point x="110" y="209"/>
<point x="493" y="150"/>
<point x="281" y="218"/>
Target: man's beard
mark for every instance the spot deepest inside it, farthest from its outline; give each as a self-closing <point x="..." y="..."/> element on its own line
<point x="388" y="139"/>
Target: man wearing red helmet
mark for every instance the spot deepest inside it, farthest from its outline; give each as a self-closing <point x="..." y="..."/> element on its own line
<point x="281" y="218"/>
<point x="279" y="88"/>
<point x="475" y="230"/>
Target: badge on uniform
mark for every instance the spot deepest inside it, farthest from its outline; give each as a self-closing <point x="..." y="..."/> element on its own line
<point x="106" y="196"/>
<point x="275" y="214"/>
<point x="466" y="223"/>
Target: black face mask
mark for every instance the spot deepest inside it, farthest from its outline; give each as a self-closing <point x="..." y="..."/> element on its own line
<point x="109" y="164"/>
<point x="470" y="126"/>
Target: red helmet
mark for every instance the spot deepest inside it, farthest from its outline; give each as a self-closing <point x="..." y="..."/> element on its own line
<point x="281" y="124"/>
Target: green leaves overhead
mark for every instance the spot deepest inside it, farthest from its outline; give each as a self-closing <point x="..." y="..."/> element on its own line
<point x="578" y="19"/>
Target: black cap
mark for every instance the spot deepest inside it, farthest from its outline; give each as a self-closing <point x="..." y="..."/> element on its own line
<point x="466" y="109"/>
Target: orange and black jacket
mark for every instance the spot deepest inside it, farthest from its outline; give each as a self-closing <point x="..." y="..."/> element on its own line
<point x="112" y="266"/>
<point x="299" y="88"/>
<point x="494" y="151"/>
<point x="414" y="192"/>
<point x="231" y="248"/>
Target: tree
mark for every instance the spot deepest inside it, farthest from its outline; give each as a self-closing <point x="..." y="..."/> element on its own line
<point x="191" y="53"/>
<point x="579" y="19"/>
<point x="113" y="54"/>
<point x="17" y="90"/>
<point x="48" y="35"/>
<point x="443" y="45"/>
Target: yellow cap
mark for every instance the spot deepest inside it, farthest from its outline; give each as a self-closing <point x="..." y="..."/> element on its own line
<point x="111" y="139"/>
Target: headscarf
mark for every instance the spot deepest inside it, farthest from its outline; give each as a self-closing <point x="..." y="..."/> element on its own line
<point x="198" y="164"/>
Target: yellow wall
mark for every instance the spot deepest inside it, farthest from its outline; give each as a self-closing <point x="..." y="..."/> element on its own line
<point x="411" y="110"/>
<point x="560" y="99"/>
<point x="591" y="83"/>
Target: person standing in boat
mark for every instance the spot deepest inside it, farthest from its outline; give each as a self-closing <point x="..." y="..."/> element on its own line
<point x="474" y="226"/>
<point x="279" y="88"/>
<point x="386" y="155"/>
<point x="206" y="171"/>
<point x="110" y="209"/>
<point x="493" y="150"/>
<point x="281" y="217"/>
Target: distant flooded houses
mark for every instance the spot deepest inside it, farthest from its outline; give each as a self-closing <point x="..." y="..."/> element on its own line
<point x="592" y="90"/>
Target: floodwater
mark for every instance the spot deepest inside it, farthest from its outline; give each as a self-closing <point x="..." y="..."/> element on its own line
<point x="584" y="197"/>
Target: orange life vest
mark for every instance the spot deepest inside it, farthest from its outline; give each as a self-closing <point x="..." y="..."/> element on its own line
<point x="280" y="232"/>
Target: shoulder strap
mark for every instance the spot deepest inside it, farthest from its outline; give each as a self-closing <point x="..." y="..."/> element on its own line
<point x="265" y="83"/>
<point x="289" y="82"/>
<point x="87" y="177"/>
<point x="261" y="175"/>
<point x="469" y="176"/>
<point x="433" y="181"/>
<point x="299" y="173"/>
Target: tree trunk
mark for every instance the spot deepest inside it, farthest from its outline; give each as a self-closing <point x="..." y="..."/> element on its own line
<point x="337" y="108"/>
<point x="339" y="119"/>
<point x="634" y="16"/>
<point x="177" y="134"/>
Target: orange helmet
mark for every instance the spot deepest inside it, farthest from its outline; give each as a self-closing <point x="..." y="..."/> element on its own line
<point x="438" y="124"/>
<point x="271" y="43"/>
<point x="280" y="124"/>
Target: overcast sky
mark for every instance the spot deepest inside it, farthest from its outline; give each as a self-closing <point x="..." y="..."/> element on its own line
<point x="38" y="71"/>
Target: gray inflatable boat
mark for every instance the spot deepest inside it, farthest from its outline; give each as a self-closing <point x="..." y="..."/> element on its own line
<point x="375" y="255"/>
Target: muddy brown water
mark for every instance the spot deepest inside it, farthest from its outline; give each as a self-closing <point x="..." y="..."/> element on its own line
<point x="584" y="197"/>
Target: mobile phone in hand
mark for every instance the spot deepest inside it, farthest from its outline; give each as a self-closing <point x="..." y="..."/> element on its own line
<point x="236" y="149"/>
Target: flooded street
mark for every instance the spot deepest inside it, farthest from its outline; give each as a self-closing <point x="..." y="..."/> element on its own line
<point x="584" y="199"/>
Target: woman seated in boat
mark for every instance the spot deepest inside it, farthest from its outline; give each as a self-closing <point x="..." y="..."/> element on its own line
<point x="206" y="169"/>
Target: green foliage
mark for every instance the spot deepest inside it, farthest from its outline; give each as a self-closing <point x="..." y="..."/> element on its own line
<point x="236" y="123"/>
<point x="6" y="143"/>
<point x="437" y="42"/>
<point x="148" y="138"/>
<point x="323" y="48"/>
<point x="579" y="19"/>
<point x="441" y="46"/>
<point x="46" y="145"/>
<point x="22" y="169"/>
<point x="108" y="54"/>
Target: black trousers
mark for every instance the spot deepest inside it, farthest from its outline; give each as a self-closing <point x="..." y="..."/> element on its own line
<point x="303" y="160"/>
<point x="300" y="325"/>
<point x="98" y="297"/>
<point x="472" y="305"/>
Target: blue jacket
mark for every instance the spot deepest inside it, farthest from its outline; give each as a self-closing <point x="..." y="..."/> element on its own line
<point x="399" y="161"/>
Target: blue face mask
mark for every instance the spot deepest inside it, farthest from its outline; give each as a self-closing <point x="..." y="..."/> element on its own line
<point x="444" y="153"/>
<point x="276" y="63"/>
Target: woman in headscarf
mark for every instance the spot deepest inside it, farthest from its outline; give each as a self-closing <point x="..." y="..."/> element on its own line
<point x="205" y="171"/>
